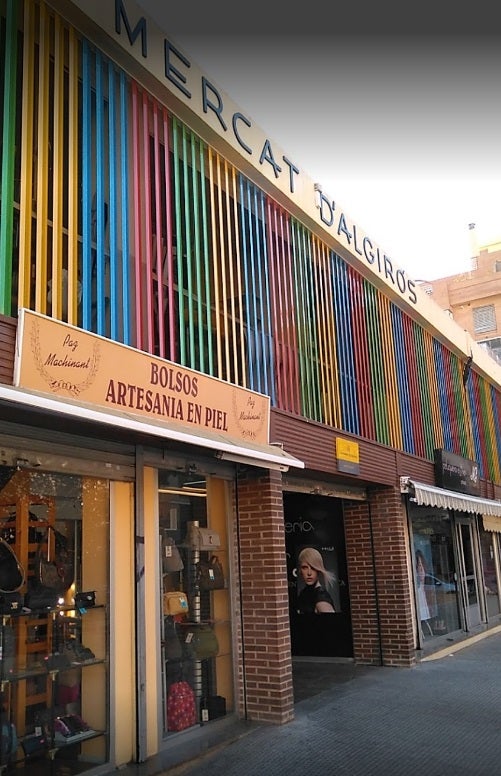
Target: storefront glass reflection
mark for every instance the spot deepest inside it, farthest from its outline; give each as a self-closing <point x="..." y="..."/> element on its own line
<point x="435" y="572"/>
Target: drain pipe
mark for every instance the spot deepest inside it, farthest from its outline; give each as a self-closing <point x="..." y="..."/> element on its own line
<point x="244" y="673"/>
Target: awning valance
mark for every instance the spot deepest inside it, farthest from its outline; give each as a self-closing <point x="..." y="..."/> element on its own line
<point x="431" y="496"/>
<point x="268" y="456"/>
<point x="491" y="523"/>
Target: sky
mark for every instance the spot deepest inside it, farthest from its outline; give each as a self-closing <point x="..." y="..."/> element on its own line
<point x="400" y="126"/>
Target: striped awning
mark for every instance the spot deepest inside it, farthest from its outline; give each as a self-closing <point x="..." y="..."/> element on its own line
<point x="431" y="496"/>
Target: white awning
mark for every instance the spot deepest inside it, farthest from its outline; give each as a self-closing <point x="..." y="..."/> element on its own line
<point x="239" y="451"/>
<point x="431" y="496"/>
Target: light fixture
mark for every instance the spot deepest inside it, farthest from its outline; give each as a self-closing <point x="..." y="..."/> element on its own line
<point x="248" y="461"/>
<point x="199" y="492"/>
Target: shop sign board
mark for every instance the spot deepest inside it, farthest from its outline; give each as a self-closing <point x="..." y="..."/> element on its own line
<point x="453" y="472"/>
<point x="69" y="363"/>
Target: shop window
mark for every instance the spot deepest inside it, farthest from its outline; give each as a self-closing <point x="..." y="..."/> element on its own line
<point x="489" y="546"/>
<point x="54" y="631"/>
<point x="435" y="572"/>
<point x="196" y="626"/>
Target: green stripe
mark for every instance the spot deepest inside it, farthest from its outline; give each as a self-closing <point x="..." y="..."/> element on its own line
<point x="8" y="159"/>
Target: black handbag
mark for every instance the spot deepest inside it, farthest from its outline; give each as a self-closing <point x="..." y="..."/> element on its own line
<point x="209" y="574"/>
<point x="212" y="707"/>
<point x="11" y="603"/>
<point x="35" y="745"/>
<point x="57" y="661"/>
<point x="56" y="571"/>
<point x="12" y="574"/>
<point x="41" y="599"/>
<point x="172" y="644"/>
<point x="8" y="644"/>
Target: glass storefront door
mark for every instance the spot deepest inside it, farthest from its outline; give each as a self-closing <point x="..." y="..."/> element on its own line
<point x="489" y="545"/>
<point x="468" y="571"/>
<point x="448" y="572"/>
<point x="435" y="572"/>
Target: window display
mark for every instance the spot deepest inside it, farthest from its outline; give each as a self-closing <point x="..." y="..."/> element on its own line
<point x="196" y="625"/>
<point x="53" y="631"/>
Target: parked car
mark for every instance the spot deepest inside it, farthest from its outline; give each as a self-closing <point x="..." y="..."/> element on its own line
<point x="439" y="584"/>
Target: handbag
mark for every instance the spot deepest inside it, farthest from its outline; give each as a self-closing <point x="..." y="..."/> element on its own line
<point x="172" y="645"/>
<point x="57" y="573"/>
<point x="35" y="745"/>
<point x="181" y="709"/>
<point x="212" y="707"/>
<point x="8" y="650"/>
<point x="209" y="574"/>
<point x="8" y="741"/>
<point x="171" y="560"/>
<point x="85" y="600"/>
<point x="12" y="574"/>
<point x="203" y="539"/>
<point x="11" y="603"/>
<point x="57" y="661"/>
<point x="200" y="640"/>
<point x="41" y="599"/>
<point x="175" y="602"/>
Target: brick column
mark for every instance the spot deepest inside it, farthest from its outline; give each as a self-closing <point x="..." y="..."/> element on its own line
<point x="380" y="589"/>
<point x="265" y="656"/>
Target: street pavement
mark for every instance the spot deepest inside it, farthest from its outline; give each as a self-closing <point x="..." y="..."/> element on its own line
<point x="439" y="718"/>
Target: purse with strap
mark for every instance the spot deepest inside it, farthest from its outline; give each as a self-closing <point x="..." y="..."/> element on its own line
<point x="175" y="602"/>
<point x="171" y="558"/>
<point x="55" y="572"/>
<point x="200" y="640"/>
<point x="209" y="574"/>
<point x="203" y="539"/>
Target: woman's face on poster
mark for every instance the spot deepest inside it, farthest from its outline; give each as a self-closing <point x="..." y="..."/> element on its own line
<point x="309" y="575"/>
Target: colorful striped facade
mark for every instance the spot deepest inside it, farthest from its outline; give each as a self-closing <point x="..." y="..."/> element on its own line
<point x="143" y="233"/>
<point x="128" y="213"/>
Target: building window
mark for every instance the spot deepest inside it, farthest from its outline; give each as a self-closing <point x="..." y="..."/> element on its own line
<point x="493" y="347"/>
<point x="497" y="266"/>
<point x="484" y="318"/>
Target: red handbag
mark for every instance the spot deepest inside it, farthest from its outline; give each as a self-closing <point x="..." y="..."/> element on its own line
<point x="181" y="709"/>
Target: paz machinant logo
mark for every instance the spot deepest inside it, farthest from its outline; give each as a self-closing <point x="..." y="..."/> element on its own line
<point x="60" y="366"/>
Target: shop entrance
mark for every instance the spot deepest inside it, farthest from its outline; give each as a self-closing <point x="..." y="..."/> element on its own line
<point x="315" y="523"/>
<point x="468" y="571"/>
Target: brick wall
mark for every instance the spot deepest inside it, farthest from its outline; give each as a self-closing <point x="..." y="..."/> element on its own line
<point x="380" y="591"/>
<point x="265" y="662"/>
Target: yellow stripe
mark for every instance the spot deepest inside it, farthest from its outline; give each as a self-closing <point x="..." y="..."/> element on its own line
<point x="27" y="160"/>
<point x="490" y="441"/>
<point x="57" y="171"/>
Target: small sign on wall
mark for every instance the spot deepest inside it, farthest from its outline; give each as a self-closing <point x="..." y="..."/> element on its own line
<point x="348" y="456"/>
